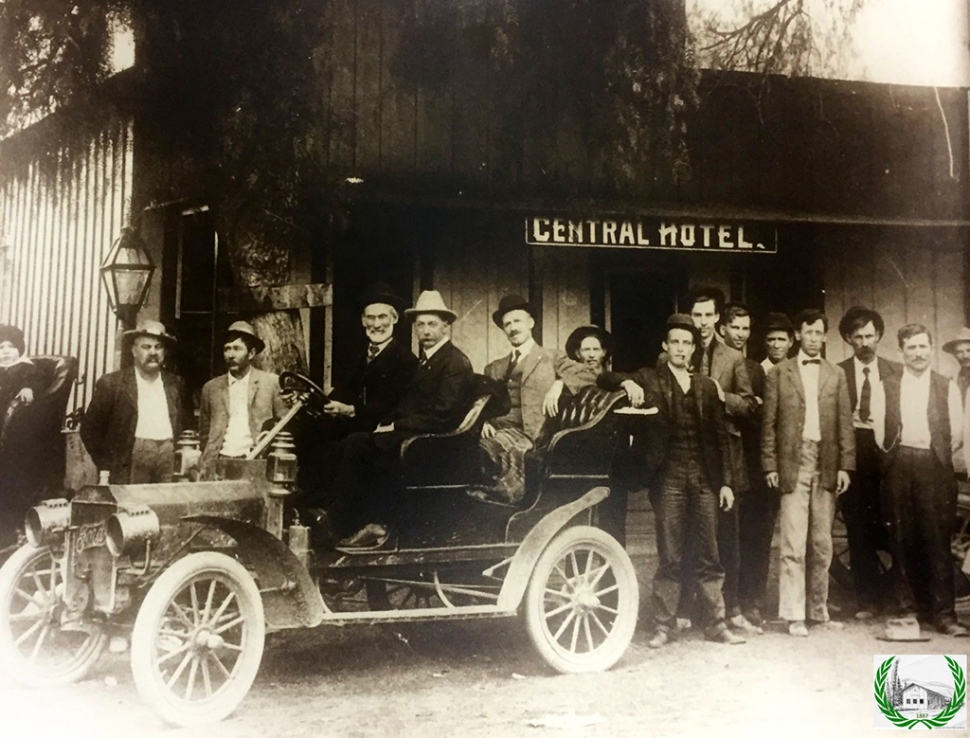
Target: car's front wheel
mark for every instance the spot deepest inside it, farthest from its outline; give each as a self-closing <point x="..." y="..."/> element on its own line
<point x="198" y="639"/>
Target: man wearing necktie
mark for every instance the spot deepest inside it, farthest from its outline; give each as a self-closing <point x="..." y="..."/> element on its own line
<point x="865" y="524"/>
<point x="529" y="373"/>
<point x="807" y="452"/>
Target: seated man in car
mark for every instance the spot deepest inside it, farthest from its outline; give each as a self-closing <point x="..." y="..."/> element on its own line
<point x="534" y="377"/>
<point x="435" y="401"/>
<point x="373" y="390"/>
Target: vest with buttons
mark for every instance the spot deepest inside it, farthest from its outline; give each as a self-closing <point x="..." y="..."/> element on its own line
<point x="939" y="418"/>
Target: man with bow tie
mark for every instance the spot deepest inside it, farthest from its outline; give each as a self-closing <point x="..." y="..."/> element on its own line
<point x="529" y="372"/>
<point x="807" y="452"/>
<point x="865" y="374"/>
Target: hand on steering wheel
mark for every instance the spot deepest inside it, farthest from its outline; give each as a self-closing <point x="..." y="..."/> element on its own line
<point x="304" y="389"/>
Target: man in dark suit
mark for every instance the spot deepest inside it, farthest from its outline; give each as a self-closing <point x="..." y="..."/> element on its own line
<point x="435" y="401"/>
<point x="865" y="374"/>
<point x="726" y="366"/>
<point x="136" y="413"/>
<point x="372" y="391"/>
<point x="807" y="452"/>
<point x="924" y="441"/>
<point x="688" y="451"/>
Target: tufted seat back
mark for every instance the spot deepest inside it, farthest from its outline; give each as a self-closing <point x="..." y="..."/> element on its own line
<point x="589" y="403"/>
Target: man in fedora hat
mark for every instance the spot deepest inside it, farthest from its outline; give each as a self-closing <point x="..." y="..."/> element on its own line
<point x="529" y="373"/>
<point x="959" y="348"/>
<point x="373" y="390"/>
<point x="865" y="527"/>
<point x="685" y="451"/>
<point x="435" y="401"/>
<point x="237" y="405"/>
<point x="136" y="413"/>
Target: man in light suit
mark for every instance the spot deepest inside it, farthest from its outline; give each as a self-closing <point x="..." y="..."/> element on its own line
<point x="529" y="373"/>
<point x="726" y="366"/>
<point x="435" y="401"/>
<point x="807" y="452"/>
<point x="236" y="406"/>
<point x="865" y="375"/>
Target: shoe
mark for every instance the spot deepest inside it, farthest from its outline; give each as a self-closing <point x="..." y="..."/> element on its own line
<point x="660" y="639"/>
<point x="954" y="629"/>
<point x="726" y="636"/>
<point x="683" y="624"/>
<point x="828" y="625"/>
<point x="797" y="628"/>
<point x="739" y="622"/>
<point x="863" y="615"/>
<point x="754" y="616"/>
<point x="372" y="535"/>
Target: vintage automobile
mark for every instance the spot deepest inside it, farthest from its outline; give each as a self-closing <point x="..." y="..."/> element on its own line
<point x="196" y="573"/>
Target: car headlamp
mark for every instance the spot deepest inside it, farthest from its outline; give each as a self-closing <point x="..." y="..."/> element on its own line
<point x="47" y="521"/>
<point x="129" y="529"/>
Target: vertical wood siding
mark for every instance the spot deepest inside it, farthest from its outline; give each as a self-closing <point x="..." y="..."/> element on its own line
<point x="58" y="217"/>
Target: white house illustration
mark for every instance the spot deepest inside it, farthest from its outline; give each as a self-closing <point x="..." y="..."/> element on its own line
<point x="916" y="696"/>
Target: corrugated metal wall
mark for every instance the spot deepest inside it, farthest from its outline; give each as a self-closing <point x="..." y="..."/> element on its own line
<point x="58" y="217"/>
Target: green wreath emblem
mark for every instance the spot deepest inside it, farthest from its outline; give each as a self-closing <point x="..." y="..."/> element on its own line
<point x="941" y="718"/>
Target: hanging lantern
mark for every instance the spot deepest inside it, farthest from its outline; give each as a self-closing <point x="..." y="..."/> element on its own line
<point x="127" y="274"/>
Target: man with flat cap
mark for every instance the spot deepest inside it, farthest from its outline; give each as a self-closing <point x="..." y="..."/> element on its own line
<point x="529" y="373"/>
<point x="865" y="524"/>
<point x="373" y="390"/>
<point x="436" y="400"/>
<point x="136" y="413"/>
<point x="237" y="405"/>
<point x="687" y="450"/>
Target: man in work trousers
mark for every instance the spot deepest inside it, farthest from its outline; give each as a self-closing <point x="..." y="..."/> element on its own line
<point x="865" y="374"/>
<point x="687" y="448"/>
<point x="807" y="452"/>
<point x="924" y="446"/>
<point x="136" y="413"/>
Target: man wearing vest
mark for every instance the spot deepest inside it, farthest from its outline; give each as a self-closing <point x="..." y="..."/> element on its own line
<point x="924" y="446"/>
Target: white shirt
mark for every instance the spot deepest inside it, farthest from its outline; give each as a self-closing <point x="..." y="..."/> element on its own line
<point x="524" y="349"/>
<point x="682" y="376"/>
<point x="428" y="353"/>
<point x="914" y="399"/>
<point x="811" y="431"/>
<point x="767" y="364"/>
<point x="877" y="402"/>
<point x="239" y="438"/>
<point x="153" y="421"/>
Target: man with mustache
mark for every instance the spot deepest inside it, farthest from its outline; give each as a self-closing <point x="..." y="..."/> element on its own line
<point x="237" y="405"/>
<point x="865" y="373"/>
<point x="924" y="446"/>
<point x="136" y="413"/>
<point x="529" y="373"/>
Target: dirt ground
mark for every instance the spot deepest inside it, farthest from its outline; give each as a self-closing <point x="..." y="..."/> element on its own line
<point x="483" y="678"/>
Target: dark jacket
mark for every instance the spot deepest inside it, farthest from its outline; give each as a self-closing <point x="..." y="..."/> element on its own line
<point x="375" y="389"/>
<point x="652" y="444"/>
<point x="751" y="425"/>
<point x="887" y="369"/>
<point x="438" y="395"/>
<point x="108" y="427"/>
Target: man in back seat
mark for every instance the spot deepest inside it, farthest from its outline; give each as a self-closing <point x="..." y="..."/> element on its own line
<point x="534" y="377"/>
<point x="435" y="401"/>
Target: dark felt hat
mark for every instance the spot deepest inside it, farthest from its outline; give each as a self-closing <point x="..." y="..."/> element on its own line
<point x="13" y="334"/>
<point x="576" y="338"/>
<point x="383" y="293"/>
<point x="682" y="320"/>
<point x="509" y="303"/>
<point x="860" y="316"/>
<point x="245" y="331"/>
<point x="779" y="322"/>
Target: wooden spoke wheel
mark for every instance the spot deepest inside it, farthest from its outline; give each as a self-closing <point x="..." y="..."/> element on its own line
<point x="40" y="644"/>
<point x="960" y="546"/>
<point x="198" y="639"/>
<point x="582" y="601"/>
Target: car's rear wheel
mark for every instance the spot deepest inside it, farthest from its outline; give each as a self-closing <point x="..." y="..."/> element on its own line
<point x="582" y="601"/>
<point x="961" y="545"/>
<point x="40" y="645"/>
<point x="198" y="639"/>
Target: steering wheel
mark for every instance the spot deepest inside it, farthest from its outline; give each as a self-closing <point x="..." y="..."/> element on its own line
<point x="313" y="397"/>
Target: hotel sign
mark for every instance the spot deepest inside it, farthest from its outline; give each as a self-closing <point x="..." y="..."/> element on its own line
<point x="751" y="237"/>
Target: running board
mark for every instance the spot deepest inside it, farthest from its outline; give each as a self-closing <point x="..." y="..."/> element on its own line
<point x="428" y="613"/>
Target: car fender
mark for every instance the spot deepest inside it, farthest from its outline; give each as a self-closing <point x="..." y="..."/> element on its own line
<point x="290" y="597"/>
<point x="535" y="542"/>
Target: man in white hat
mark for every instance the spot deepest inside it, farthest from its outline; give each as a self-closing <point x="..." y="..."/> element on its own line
<point x="959" y="348"/>
<point x="435" y="401"/>
<point x="236" y="405"/>
<point x="136" y="413"/>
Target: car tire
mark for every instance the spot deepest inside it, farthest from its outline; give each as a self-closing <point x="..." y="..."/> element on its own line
<point x="198" y="640"/>
<point x="582" y="601"/>
<point x="34" y="649"/>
